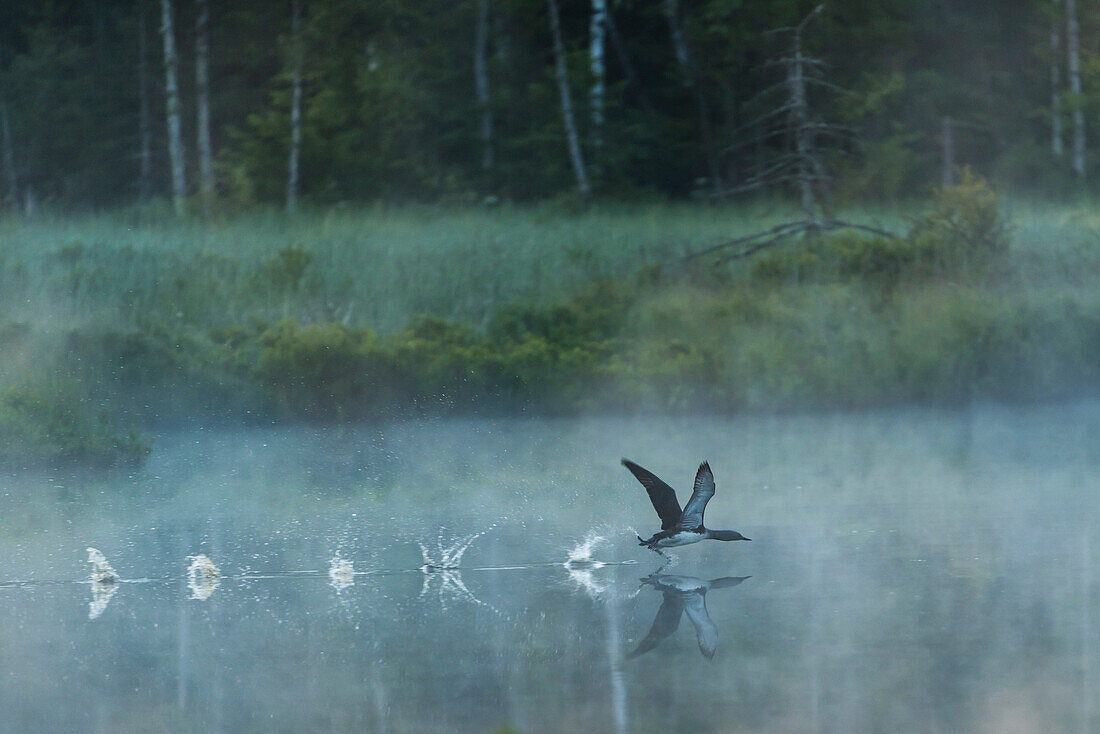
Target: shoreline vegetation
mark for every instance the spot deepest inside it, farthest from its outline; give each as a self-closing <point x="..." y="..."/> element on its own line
<point x="113" y="326"/>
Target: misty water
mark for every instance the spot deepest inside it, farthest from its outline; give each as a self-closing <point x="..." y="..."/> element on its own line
<point x="918" y="571"/>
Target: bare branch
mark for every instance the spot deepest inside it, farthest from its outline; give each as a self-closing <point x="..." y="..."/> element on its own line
<point x="774" y="231"/>
<point x="780" y="233"/>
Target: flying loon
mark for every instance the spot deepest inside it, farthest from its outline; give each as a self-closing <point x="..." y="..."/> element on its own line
<point x="680" y="527"/>
<point x="683" y="594"/>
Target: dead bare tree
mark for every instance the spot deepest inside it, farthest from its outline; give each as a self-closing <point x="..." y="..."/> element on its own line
<point x="792" y="125"/>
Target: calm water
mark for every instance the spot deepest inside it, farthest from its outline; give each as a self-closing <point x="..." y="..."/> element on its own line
<point x="909" y="572"/>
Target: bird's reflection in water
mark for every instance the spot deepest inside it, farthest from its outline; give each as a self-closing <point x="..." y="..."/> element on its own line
<point x="683" y="594"/>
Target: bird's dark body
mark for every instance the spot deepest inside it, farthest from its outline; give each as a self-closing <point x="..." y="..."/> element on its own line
<point x="679" y="527"/>
<point x="674" y="537"/>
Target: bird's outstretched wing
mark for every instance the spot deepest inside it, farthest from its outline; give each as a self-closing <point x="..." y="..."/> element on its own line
<point x="704" y="489"/>
<point x="725" y="582"/>
<point x="664" y="624"/>
<point x="706" y="632"/>
<point x="661" y="495"/>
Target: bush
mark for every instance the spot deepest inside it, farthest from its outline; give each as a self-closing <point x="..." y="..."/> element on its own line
<point x="320" y="370"/>
<point x="52" y="425"/>
<point x="848" y="256"/>
<point x="961" y="231"/>
<point x="963" y="226"/>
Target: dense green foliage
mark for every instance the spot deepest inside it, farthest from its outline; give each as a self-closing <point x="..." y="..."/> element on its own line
<point x="390" y="112"/>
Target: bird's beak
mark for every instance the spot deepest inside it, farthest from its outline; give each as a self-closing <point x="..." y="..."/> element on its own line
<point x="746" y="538"/>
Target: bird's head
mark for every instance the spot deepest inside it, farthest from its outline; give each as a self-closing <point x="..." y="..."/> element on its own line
<point x="728" y="535"/>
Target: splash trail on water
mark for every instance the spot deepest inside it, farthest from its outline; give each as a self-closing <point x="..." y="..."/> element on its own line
<point x="203" y="577"/>
<point x="341" y="573"/>
<point x="447" y="556"/>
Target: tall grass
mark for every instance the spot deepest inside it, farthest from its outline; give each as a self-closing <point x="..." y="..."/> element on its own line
<point x="376" y="267"/>
<point x="321" y="313"/>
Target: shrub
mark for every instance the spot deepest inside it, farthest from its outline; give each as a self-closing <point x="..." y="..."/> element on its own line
<point x="961" y="230"/>
<point x="49" y="425"/>
<point x="319" y="370"/>
<point x="283" y="272"/>
<point x="963" y="225"/>
<point x="847" y="256"/>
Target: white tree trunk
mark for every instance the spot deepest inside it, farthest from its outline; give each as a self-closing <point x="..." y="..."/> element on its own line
<point x="202" y="94"/>
<point x="597" y="31"/>
<point x="295" y="107"/>
<point x="567" y="105"/>
<point x="1074" y="64"/>
<point x="481" y="83"/>
<point x="1056" y="145"/>
<point x="172" y="96"/>
<point x="145" y="124"/>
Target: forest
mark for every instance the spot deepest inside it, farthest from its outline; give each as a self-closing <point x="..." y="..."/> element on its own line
<point x="338" y="210"/>
<point x="112" y="102"/>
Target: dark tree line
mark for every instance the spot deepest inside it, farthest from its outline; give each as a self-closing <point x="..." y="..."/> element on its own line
<point x="327" y="101"/>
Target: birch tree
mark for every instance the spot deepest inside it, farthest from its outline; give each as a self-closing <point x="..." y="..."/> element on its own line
<point x="481" y="83"/>
<point x="568" y="118"/>
<point x="172" y="101"/>
<point x="145" y="124"/>
<point x="202" y="105"/>
<point x="1056" y="145"/>
<point x="297" y="60"/>
<point x="1074" y="66"/>
<point x="596" y="32"/>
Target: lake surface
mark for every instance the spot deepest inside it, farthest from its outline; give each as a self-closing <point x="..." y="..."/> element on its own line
<point x="918" y="571"/>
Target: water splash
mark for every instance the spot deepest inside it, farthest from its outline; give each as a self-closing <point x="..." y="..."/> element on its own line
<point x="580" y="556"/>
<point x="203" y="577"/>
<point x="102" y="573"/>
<point x="449" y="585"/>
<point x="582" y="566"/>
<point x="448" y="554"/>
<point x="104" y="584"/>
<point x="341" y="573"/>
<point x="584" y="578"/>
<point x="441" y="569"/>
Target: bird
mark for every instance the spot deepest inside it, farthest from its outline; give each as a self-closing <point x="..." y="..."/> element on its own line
<point x="680" y="527"/>
<point x="683" y="594"/>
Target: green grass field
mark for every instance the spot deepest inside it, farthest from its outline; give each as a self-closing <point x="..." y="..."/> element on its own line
<point x="133" y="319"/>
